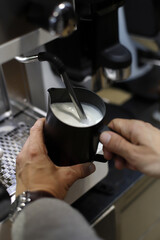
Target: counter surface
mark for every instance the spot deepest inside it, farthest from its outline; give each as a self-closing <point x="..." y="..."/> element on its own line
<point x="94" y="203"/>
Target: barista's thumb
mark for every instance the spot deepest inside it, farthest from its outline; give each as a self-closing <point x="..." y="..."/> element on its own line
<point x="84" y="169"/>
<point x="114" y="143"/>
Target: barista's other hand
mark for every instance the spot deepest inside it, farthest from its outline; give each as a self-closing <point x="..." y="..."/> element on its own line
<point x="136" y="145"/>
<point x="36" y="171"/>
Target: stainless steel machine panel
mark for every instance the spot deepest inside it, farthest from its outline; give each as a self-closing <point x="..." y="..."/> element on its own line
<point x="11" y="143"/>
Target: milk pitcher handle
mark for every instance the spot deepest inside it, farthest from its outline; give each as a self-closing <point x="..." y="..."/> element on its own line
<point x="100" y="157"/>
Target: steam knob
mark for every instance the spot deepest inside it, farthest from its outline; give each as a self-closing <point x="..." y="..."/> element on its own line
<point x="62" y="20"/>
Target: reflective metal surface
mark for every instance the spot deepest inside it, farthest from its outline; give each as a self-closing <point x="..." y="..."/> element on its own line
<point x="155" y="62"/>
<point x="63" y="20"/>
<point x="24" y="44"/>
<point x="11" y="144"/>
<point x="117" y="74"/>
<point x="4" y="101"/>
<point x="28" y="59"/>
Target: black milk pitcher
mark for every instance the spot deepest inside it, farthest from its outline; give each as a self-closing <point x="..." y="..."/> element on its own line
<point x="69" y="145"/>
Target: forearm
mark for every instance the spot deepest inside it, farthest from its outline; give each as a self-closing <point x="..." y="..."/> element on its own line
<point x="51" y="219"/>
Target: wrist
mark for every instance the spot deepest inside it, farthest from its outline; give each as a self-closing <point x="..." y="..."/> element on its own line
<point x="26" y="198"/>
<point x="34" y="188"/>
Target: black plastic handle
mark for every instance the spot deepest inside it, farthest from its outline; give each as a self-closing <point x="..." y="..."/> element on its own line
<point x="100" y="157"/>
<point x="116" y="56"/>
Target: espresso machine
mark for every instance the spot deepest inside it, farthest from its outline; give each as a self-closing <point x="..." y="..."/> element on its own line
<point x="92" y="58"/>
<point x="84" y="35"/>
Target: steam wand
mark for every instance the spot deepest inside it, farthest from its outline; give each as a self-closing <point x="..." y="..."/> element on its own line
<point x="58" y="66"/>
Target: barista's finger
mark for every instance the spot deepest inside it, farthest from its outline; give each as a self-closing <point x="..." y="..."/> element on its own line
<point x="37" y="128"/>
<point x="107" y="155"/>
<point x="119" y="162"/>
<point x="130" y="166"/>
<point x="116" y="144"/>
<point x="130" y="129"/>
<point x="84" y="170"/>
<point x="36" y="135"/>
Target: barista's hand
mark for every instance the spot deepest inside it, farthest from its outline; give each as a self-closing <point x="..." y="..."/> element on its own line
<point x="136" y="146"/>
<point x="35" y="170"/>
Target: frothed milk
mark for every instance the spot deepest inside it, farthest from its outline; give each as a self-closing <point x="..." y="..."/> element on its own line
<point x="67" y="113"/>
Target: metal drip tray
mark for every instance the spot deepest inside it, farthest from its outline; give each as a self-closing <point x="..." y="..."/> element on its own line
<point x="11" y="144"/>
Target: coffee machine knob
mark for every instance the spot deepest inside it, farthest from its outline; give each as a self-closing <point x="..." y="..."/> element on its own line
<point x="62" y="21"/>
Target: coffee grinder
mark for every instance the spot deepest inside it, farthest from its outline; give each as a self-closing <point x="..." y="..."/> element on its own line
<point x="139" y="32"/>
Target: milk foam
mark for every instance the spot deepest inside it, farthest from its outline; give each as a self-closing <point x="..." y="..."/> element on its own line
<point x="67" y="113"/>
